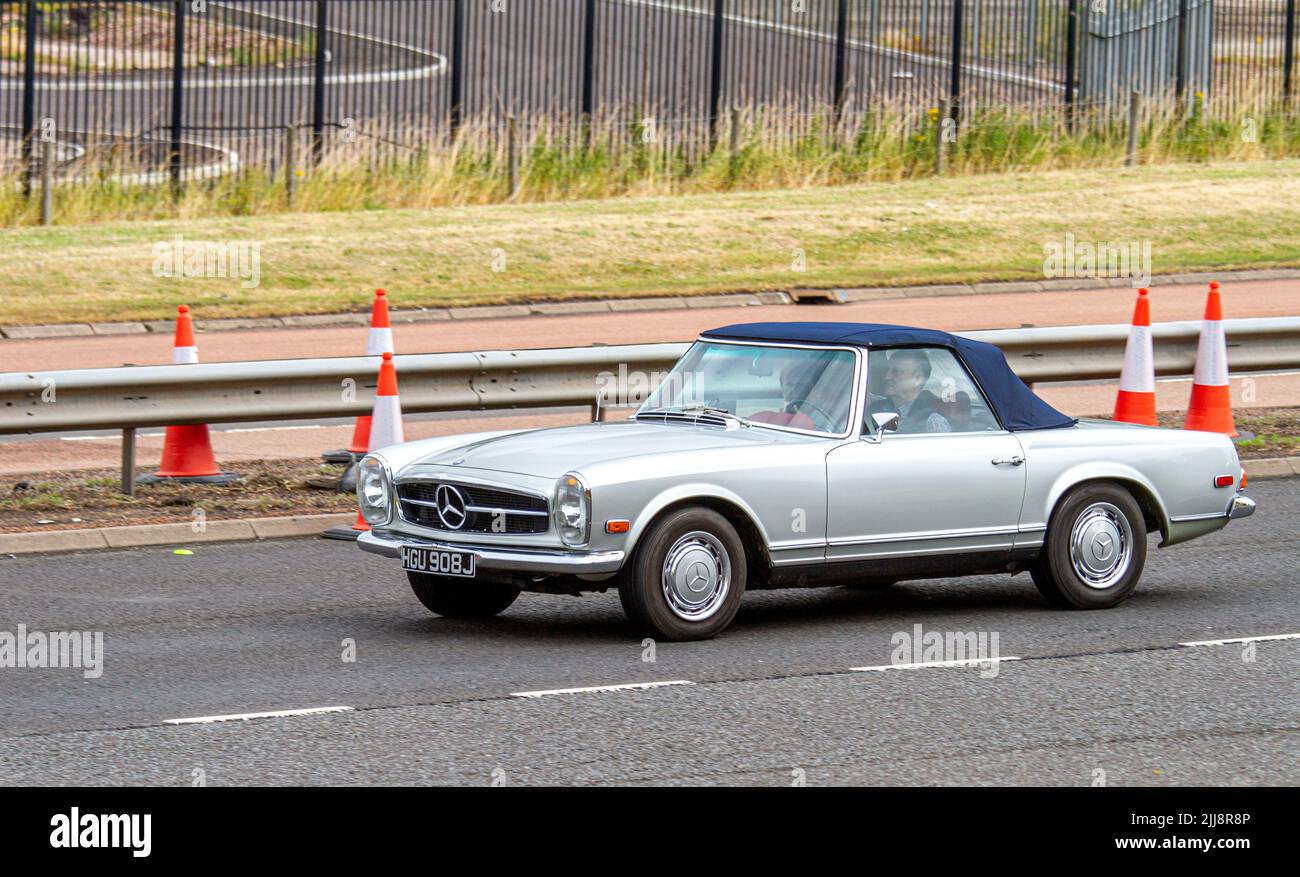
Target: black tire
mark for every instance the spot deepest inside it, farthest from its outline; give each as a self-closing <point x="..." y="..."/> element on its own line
<point x="461" y="598"/>
<point x="693" y="535"/>
<point x="1096" y="511"/>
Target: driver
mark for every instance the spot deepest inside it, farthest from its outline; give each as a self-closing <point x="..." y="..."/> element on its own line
<point x="797" y="381"/>
<point x="798" y="378"/>
<point x="906" y="374"/>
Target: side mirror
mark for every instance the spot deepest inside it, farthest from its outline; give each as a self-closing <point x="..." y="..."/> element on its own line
<point x="883" y="422"/>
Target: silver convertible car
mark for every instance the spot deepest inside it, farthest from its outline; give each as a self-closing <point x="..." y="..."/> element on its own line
<point x="779" y="455"/>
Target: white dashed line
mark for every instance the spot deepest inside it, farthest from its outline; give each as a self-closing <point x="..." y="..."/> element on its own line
<point x="973" y="662"/>
<point x="1244" y="639"/>
<point x="628" y="687"/>
<point x="243" y="717"/>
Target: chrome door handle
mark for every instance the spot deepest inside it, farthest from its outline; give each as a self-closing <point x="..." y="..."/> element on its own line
<point x="1008" y="461"/>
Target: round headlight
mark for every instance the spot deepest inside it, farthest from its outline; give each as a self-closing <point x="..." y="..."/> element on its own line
<point x="373" y="492"/>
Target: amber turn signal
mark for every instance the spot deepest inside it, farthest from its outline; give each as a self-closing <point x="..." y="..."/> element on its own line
<point x="617" y="526"/>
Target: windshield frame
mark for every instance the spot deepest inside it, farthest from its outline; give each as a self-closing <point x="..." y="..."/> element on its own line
<point x="855" y="403"/>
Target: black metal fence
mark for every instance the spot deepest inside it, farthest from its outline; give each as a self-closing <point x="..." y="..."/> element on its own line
<point x="194" y="88"/>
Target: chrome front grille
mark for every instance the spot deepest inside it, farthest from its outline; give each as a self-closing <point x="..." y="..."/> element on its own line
<point x="456" y="507"/>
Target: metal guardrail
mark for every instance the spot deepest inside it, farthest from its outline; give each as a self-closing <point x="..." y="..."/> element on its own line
<point x="280" y="390"/>
<point x="130" y="398"/>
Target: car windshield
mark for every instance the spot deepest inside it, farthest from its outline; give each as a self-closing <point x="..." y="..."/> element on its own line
<point x="789" y="387"/>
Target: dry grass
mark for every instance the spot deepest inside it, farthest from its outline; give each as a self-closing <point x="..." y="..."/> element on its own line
<point x="1218" y="216"/>
<point x="759" y="148"/>
<point x="79" y="500"/>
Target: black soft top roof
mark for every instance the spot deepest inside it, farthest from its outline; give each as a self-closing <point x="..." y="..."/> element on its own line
<point x="1016" y="405"/>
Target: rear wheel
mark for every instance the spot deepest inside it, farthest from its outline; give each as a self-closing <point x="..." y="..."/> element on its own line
<point x="461" y="598"/>
<point x="687" y="576"/>
<point x="1095" y="550"/>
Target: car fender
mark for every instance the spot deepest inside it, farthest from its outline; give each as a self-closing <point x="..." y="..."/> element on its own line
<point x="1108" y="471"/>
<point x="692" y="491"/>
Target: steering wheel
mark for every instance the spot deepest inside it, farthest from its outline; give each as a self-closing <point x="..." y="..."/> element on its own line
<point x="796" y="403"/>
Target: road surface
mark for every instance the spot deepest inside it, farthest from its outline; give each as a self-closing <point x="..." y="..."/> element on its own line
<point x="246" y="628"/>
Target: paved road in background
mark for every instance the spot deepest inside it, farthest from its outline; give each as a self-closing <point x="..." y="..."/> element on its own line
<point x="953" y="313"/>
<point x="260" y="627"/>
<point x="521" y="59"/>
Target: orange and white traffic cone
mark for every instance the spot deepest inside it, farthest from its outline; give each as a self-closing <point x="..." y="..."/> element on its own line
<point x="386" y="418"/>
<point x="1210" y="408"/>
<point x="379" y="342"/>
<point x="386" y="429"/>
<point x="1136" y="402"/>
<point x="187" y="450"/>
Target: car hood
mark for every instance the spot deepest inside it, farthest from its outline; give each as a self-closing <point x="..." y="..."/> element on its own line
<point x="550" y="453"/>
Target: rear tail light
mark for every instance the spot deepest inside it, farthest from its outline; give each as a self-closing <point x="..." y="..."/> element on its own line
<point x="1223" y="480"/>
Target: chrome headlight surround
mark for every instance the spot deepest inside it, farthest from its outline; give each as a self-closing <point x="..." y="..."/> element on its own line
<point x="374" y="491"/>
<point x="573" y="510"/>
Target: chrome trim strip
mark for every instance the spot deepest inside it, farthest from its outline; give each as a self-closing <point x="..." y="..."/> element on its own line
<point x="955" y="549"/>
<point x="488" y="510"/>
<point x="389" y="544"/>
<point x="1183" y="519"/>
<point x="470" y="481"/>
<point x="792" y="544"/>
<point x="926" y="536"/>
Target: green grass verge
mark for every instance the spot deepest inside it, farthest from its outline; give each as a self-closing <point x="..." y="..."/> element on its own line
<point x="934" y="230"/>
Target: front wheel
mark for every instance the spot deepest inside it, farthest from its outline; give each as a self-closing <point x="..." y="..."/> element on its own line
<point x="1095" y="550"/>
<point x="461" y="598"/>
<point x="687" y="576"/>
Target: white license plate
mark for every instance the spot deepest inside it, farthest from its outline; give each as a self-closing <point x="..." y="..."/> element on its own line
<point x="438" y="561"/>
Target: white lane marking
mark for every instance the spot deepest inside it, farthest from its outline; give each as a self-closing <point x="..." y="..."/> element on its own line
<point x="627" y="687"/>
<point x="243" y="717"/>
<point x="1243" y="639"/>
<point x="971" y="662"/>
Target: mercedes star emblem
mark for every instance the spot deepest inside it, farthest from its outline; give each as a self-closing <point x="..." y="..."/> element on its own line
<point x="451" y="507"/>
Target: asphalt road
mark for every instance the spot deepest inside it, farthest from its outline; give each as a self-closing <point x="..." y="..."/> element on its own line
<point x="524" y="59"/>
<point x="261" y="627"/>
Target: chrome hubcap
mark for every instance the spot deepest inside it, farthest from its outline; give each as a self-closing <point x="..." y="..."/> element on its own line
<point x="696" y="576"/>
<point x="1101" y="545"/>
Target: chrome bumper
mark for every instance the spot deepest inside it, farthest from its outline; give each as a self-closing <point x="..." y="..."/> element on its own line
<point x="511" y="559"/>
<point x="1242" y="507"/>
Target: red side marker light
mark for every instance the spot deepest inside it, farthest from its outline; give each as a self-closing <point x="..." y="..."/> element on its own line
<point x="1223" y="480"/>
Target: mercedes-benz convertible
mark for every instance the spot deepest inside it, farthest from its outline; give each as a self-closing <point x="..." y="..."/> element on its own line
<point x="779" y="455"/>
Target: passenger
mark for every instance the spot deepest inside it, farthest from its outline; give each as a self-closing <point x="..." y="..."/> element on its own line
<point x="906" y="374"/>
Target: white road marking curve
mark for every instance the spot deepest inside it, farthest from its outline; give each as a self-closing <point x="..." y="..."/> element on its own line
<point x="631" y="686"/>
<point x="244" y="717"/>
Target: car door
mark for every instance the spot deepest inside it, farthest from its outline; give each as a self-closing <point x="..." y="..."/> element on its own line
<point x="923" y="490"/>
